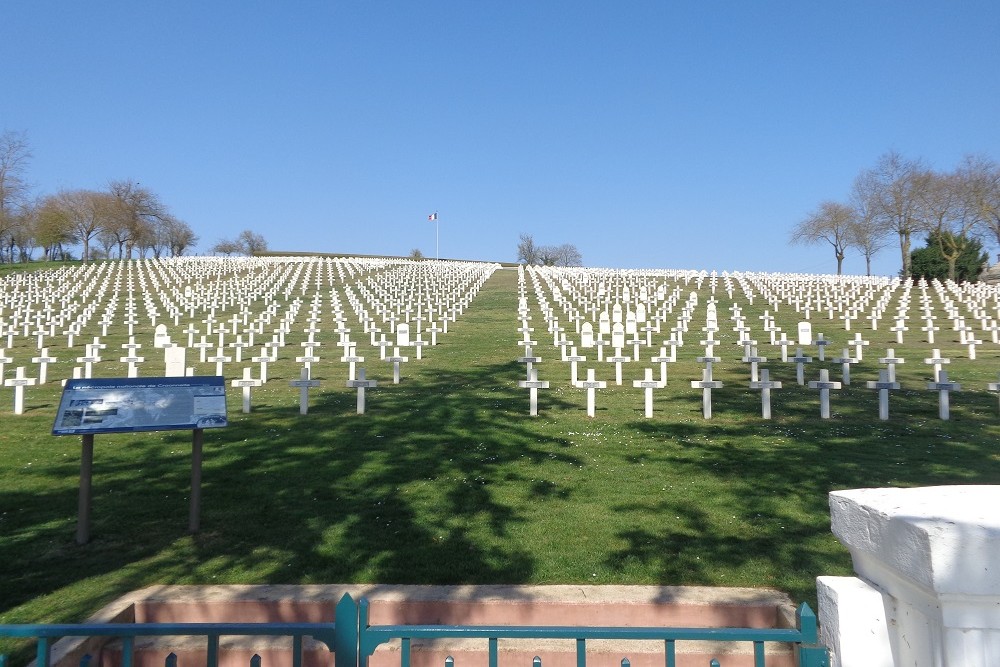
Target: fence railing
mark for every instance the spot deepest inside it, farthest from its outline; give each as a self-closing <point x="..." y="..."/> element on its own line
<point x="353" y="640"/>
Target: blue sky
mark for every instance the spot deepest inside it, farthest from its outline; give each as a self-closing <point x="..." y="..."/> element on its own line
<point x="649" y="134"/>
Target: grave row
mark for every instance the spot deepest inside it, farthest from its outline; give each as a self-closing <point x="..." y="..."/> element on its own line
<point x="602" y="302"/>
<point x="228" y="309"/>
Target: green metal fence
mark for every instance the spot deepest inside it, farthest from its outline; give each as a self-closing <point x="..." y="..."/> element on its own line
<point x="353" y="640"/>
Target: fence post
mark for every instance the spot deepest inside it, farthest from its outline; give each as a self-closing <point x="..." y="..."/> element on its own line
<point x="810" y="655"/>
<point x="346" y="633"/>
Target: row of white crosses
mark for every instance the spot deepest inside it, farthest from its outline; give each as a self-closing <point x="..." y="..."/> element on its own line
<point x="215" y="298"/>
<point x="707" y="383"/>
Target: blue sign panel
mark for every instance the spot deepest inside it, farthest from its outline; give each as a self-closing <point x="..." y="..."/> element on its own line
<point x="116" y="405"/>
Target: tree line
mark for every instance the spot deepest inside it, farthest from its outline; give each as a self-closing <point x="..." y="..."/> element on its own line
<point x="547" y="255"/>
<point x="901" y="197"/>
<point x="125" y="219"/>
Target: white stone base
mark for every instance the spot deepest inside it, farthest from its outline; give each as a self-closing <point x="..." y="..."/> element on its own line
<point x="853" y="627"/>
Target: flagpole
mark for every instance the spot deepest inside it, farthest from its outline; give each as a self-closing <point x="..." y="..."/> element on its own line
<point x="437" y="234"/>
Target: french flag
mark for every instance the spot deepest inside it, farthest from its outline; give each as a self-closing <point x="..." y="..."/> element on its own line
<point x="433" y="216"/>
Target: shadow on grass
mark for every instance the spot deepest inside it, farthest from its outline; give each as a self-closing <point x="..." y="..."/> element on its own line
<point x="765" y="510"/>
<point x="403" y="494"/>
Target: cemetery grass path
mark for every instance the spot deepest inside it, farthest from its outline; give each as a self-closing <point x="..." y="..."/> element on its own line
<point x="447" y="480"/>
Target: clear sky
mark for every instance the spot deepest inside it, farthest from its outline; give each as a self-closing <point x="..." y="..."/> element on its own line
<point x="650" y="134"/>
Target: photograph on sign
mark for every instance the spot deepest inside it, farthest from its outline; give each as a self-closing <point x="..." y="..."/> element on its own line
<point x="110" y="405"/>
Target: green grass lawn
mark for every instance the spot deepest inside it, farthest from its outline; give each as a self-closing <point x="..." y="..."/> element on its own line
<point x="447" y="480"/>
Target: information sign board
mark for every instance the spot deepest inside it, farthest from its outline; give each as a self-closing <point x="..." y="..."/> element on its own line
<point x="116" y="405"/>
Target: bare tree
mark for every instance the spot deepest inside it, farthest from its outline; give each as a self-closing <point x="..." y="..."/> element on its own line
<point x="138" y="210"/>
<point x="14" y="157"/>
<point x="982" y="191"/>
<point x="568" y="255"/>
<point x="891" y="187"/>
<point x="865" y="232"/>
<point x="527" y="252"/>
<point x="251" y="243"/>
<point x="947" y="211"/>
<point x="226" y="247"/>
<point x="830" y="223"/>
<point x="177" y="235"/>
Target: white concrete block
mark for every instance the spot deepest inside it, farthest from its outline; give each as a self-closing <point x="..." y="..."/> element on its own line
<point x="853" y="623"/>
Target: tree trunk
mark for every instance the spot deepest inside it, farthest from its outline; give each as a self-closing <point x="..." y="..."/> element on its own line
<point x="904" y="247"/>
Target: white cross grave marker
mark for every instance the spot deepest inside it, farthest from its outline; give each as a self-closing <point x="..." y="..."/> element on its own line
<point x="574" y="358"/>
<point x="304" y="383"/>
<point x="706" y="384"/>
<point x="533" y="384"/>
<point x="591" y="385"/>
<point x="219" y="359"/>
<point x="890" y="359"/>
<point x="19" y="382"/>
<point x="247" y="383"/>
<point x="396" y="360"/>
<point x="43" y="360"/>
<point x="264" y="359"/>
<point x="663" y="359"/>
<point x="361" y="383"/>
<point x="824" y="385"/>
<point x="351" y="358"/>
<point x="943" y="387"/>
<point x="800" y="361"/>
<point x="528" y="359"/>
<point x="765" y="385"/>
<point x="648" y="384"/>
<point x="884" y="385"/>
<point x="936" y="360"/>
<point x="845" y="362"/>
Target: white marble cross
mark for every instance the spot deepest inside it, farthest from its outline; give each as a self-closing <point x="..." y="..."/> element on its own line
<point x="246" y="383"/>
<point x="706" y="384"/>
<point x="890" y="360"/>
<point x="821" y="343"/>
<point x="92" y="357"/>
<point x="528" y="359"/>
<point x="663" y="359"/>
<point x="351" y="358"/>
<point x="765" y="385"/>
<point x="396" y="359"/>
<point x="936" y="360"/>
<point x="361" y="383"/>
<point x="858" y="344"/>
<point x="308" y="358"/>
<point x="884" y="384"/>
<point x="19" y="382"/>
<point x="43" y="360"/>
<point x="533" y="384"/>
<point x="845" y="362"/>
<point x="264" y="359"/>
<point x="574" y="359"/>
<point x="943" y="387"/>
<point x="304" y="383"/>
<point x="648" y="384"/>
<point x="219" y="359"/>
<point x="800" y="361"/>
<point x="131" y="357"/>
<point x="751" y="357"/>
<point x="591" y="384"/>
<point x="824" y="385"/>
